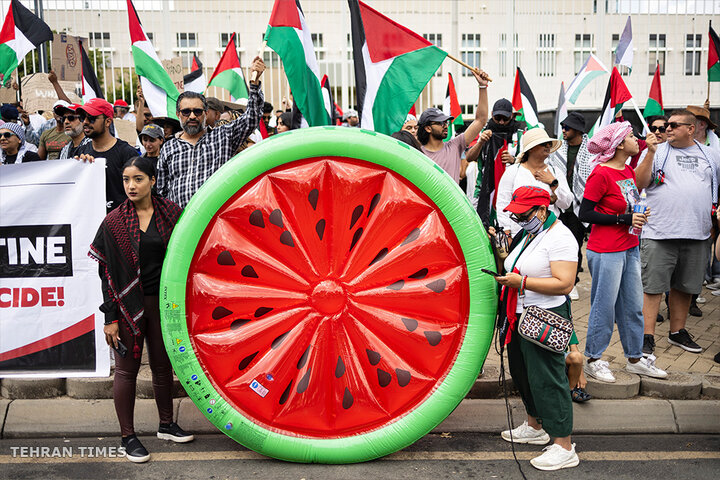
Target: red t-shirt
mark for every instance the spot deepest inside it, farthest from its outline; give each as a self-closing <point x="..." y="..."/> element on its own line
<point x="615" y="193"/>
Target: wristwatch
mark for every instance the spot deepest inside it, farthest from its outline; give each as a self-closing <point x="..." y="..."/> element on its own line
<point x="554" y="183"/>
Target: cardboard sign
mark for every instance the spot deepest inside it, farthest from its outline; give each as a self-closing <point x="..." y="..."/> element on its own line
<point x="126" y="130"/>
<point x="174" y="68"/>
<point x="7" y="93"/>
<point x="38" y="93"/>
<point x="66" y="57"/>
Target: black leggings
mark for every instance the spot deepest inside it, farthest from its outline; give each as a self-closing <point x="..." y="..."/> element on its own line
<point x="126" y="370"/>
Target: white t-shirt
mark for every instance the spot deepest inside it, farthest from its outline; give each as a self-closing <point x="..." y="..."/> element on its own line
<point x="554" y="245"/>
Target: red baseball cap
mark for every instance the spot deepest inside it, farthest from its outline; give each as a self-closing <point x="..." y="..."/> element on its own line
<point x="120" y="103"/>
<point x="525" y="198"/>
<point x="62" y="109"/>
<point x="97" y="106"/>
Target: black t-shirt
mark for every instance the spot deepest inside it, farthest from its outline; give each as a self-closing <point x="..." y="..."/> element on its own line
<point x="28" y="157"/>
<point x="572" y="152"/>
<point x="115" y="159"/>
<point x="152" y="253"/>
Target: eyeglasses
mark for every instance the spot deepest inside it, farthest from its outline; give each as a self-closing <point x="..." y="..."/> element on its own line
<point x="501" y="118"/>
<point x="70" y="118"/>
<point x="90" y="118"/>
<point x="675" y="125"/>
<point x="440" y="124"/>
<point x="185" y="112"/>
<point x="565" y="127"/>
<point x="6" y="134"/>
<point x="656" y="128"/>
<point x="524" y="217"/>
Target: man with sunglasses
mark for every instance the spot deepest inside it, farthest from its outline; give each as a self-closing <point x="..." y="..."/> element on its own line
<point x="681" y="182"/>
<point x="189" y="159"/>
<point x="73" y="128"/>
<point x="54" y="139"/>
<point x="96" y="116"/>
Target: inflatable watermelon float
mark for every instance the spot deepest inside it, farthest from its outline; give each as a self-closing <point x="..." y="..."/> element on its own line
<point x="322" y="299"/>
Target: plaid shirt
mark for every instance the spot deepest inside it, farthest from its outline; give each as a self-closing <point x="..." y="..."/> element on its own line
<point x="183" y="167"/>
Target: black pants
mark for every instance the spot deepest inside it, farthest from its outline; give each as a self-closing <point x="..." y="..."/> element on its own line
<point x="573" y="223"/>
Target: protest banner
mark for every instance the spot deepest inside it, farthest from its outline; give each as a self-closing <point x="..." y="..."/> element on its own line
<point x="126" y="130"/>
<point x="38" y="93"/>
<point x="50" y="292"/>
<point x="66" y="57"/>
<point x="175" y="69"/>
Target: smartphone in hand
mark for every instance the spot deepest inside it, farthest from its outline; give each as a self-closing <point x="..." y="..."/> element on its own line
<point x="121" y="349"/>
<point x="490" y="272"/>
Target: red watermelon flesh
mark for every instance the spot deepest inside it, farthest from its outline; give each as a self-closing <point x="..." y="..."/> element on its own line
<point x="327" y="298"/>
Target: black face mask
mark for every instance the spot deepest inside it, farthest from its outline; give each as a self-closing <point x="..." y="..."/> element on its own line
<point x="509" y="127"/>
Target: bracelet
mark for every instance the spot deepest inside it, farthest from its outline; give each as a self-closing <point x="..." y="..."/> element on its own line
<point x="111" y="322"/>
<point x="482" y="86"/>
<point x="522" y="285"/>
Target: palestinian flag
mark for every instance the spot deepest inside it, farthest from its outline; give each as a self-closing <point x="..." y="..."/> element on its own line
<point x="195" y="80"/>
<point x="329" y="100"/>
<point x="392" y="66"/>
<point x="562" y="112"/>
<point x="523" y="101"/>
<point x="498" y="171"/>
<point x="616" y="95"/>
<point x="289" y="36"/>
<point x="158" y="88"/>
<point x="228" y="74"/>
<point x="451" y="107"/>
<point x="624" y="49"/>
<point x="90" y="85"/>
<point x="591" y="69"/>
<point x="21" y="33"/>
<point x="654" y="105"/>
<point x="713" y="56"/>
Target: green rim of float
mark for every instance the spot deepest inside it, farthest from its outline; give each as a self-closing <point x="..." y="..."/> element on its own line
<point x="353" y="144"/>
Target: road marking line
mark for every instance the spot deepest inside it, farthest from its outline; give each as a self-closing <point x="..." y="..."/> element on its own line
<point x="592" y="456"/>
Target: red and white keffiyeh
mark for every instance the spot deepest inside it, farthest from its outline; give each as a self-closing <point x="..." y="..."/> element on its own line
<point x="606" y="140"/>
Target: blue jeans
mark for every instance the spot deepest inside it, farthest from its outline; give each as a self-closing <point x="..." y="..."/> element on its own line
<point x="616" y="297"/>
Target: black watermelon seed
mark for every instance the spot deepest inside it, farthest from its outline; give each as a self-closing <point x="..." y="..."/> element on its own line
<point x="256" y="219"/>
<point x="348" y="399"/>
<point x="397" y="285"/>
<point x="286" y="239"/>
<point x="381" y="254"/>
<point x="238" y="323"/>
<point x="384" y="378"/>
<point x="433" y="338"/>
<point x="246" y="361"/>
<point x="411" y="236"/>
<point x="276" y="343"/>
<point x="420" y="274"/>
<point x="286" y="393"/>
<point x="373" y="203"/>
<point x="276" y="218"/>
<point x="410" y="323"/>
<point x="320" y="228"/>
<point x="339" y="368"/>
<point x="225" y="258"/>
<point x="437" y="286"/>
<point x="248" y="271"/>
<point x="373" y="356"/>
<point x="356" y="237"/>
<point x="304" y="381"/>
<point x="313" y="198"/>
<point x="403" y="377"/>
<point x="262" y="311"/>
<point x="355" y="216"/>
<point x="303" y="360"/>
<point x="220" y="312"/>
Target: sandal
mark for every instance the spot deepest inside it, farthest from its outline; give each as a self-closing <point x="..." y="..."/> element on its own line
<point x="579" y="395"/>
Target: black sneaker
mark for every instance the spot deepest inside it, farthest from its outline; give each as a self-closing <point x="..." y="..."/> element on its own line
<point x="648" y="344"/>
<point x="659" y="319"/>
<point x="695" y="310"/>
<point x="171" y="431"/>
<point x="684" y="340"/>
<point x="134" y="450"/>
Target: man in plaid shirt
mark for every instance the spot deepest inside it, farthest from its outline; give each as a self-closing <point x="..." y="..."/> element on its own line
<point x="188" y="160"/>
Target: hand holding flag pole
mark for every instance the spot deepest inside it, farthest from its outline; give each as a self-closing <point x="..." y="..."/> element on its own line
<point x="472" y="69"/>
<point x="261" y="50"/>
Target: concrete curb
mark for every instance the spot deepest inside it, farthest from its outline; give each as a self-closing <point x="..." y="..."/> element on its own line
<point x="682" y="386"/>
<point x="627" y="385"/>
<point x="711" y="386"/>
<point x="69" y="417"/>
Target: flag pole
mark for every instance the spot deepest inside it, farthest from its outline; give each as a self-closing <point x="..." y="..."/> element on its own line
<point x="261" y="50"/>
<point x="707" y="100"/>
<point x="642" y="119"/>
<point x="466" y="65"/>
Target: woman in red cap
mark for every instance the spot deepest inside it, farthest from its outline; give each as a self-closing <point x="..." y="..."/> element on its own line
<point x="542" y="264"/>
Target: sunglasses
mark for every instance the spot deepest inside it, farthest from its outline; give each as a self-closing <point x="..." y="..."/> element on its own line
<point x="655" y="128"/>
<point x="501" y="118"/>
<point x="70" y="118"/>
<point x="89" y="118"/>
<point x="523" y="217"/>
<point x="674" y="125"/>
<point x="6" y="135"/>
<point x="440" y="124"/>
<point x="185" y="112"/>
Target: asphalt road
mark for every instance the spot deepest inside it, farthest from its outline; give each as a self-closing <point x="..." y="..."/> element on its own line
<point x="461" y="456"/>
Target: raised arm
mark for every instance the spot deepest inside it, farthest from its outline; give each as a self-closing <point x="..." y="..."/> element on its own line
<point x="481" y="112"/>
<point x="58" y="89"/>
<point x="644" y="170"/>
<point x="246" y="124"/>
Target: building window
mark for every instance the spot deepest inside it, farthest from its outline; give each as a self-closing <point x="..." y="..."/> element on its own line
<point x="517" y="51"/>
<point x="656" y="53"/>
<point x="435" y="39"/>
<point x="583" y="48"/>
<point x="186" y="47"/>
<point x="467" y="108"/>
<point x="99" y="40"/>
<point x="546" y="55"/>
<point x="349" y="47"/>
<point x="470" y="52"/>
<point x="622" y="69"/>
<point x="151" y="37"/>
<point x="317" y="41"/>
<point x="693" y="49"/>
<point x="224" y="40"/>
<point x="502" y="55"/>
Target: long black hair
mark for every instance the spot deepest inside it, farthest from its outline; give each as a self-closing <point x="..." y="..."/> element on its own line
<point x="143" y="164"/>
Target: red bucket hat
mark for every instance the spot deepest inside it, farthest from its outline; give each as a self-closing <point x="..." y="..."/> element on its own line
<point x="525" y="198"/>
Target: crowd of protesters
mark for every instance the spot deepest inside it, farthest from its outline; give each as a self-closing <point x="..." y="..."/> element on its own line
<point x="553" y="196"/>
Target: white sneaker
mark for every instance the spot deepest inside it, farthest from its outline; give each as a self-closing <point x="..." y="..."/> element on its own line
<point x="647" y="367"/>
<point x="715" y="293"/>
<point x="526" y="434"/>
<point x="555" y="458"/>
<point x="713" y="286"/>
<point x="574" y="294"/>
<point x="700" y="300"/>
<point x="600" y="370"/>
